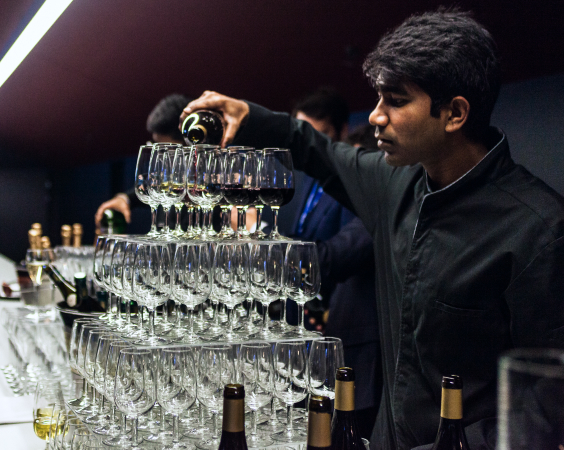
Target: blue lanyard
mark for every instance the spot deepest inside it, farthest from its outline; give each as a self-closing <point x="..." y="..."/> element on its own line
<point x="312" y="200"/>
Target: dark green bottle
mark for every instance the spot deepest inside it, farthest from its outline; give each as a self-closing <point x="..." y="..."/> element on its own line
<point x="113" y="222"/>
<point x="203" y="127"/>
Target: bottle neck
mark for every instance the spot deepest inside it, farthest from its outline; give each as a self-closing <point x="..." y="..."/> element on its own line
<point x="344" y="395"/>
<point x="451" y="404"/>
<point x="319" y="430"/>
<point x="233" y="415"/>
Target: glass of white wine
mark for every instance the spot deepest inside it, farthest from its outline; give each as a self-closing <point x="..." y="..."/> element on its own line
<point x="47" y="405"/>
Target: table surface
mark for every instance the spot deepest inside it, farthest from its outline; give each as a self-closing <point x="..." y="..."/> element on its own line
<point x="19" y="436"/>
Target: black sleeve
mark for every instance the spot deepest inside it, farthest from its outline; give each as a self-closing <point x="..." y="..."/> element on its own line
<point x="355" y="177"/>
<point x="134" y="202"/>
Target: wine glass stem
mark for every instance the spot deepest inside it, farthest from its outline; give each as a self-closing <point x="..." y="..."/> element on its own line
<point x="274" y="220"/>
<point x="191" y="322"/>
<point x="240" y="219"/>
<point x="151" y="322"/>
<point x="178" y="210"/>
<point x="283" y="311"/>
<point x="134" y="437"/>
<point x="214" y="421"/>
<point x="229" y="321"/>
<point x="253" y="422"/>
<point x="301" y="312"/>
<point x="250" y="312"/>
<point x="153" y="219"/>
<point x="289" y="417"/>
<point x="175" y="429"/>
<point x="264" y="315"/>
<point x="128" y="311"/>
<point x="166" y="228"/>
<point x="259" y="217"/>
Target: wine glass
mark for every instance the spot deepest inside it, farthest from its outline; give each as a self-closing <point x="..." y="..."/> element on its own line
<point x="205" y="182"/>
<point x="325" y="357"/>
<point x="160" y="176"/>
<point x="135" y="388"/>
<point x="98" y="273"/>
<point x="266" y="278"/>
<point x="142" y="185"/>
<point x="176" y="386"/>
<point x="117" y="433"/>
<point x="48" y="402"/>
<point x="230" y="277"/>
<point x="216" y="368"/>
<point x="76" y="334"/>
<point x="256" y="374"/>
<point x="290" y="383"/>
<point x="106" y="274"/>
<point x="258" y="204"/>
<point x="302" y="280"/>
<point x="276" y="183"/>
<point x="116" y="278"/>
<point x="152" y="283"/>
<point x="177" y="190"/>
<point x="191" y="279"/>
<point x="72" y="425"/>
<point x="240" y="183"/>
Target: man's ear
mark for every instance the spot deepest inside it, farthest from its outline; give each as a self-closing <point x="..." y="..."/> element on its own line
<point x="456" y="114"/>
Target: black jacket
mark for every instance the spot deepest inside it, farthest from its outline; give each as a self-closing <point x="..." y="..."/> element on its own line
<point x="462" y="274"/>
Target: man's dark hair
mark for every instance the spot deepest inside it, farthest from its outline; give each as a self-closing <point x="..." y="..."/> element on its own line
<point x="325" y="103"/>
<point x="447" y="54"/>
<point x="164" y="117"/>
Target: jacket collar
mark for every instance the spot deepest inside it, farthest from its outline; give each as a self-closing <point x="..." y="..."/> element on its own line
<point x="494" y="164"/>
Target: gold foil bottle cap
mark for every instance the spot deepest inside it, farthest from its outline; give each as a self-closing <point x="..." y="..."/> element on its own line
<point x="37" y="226"/>
<point x="45" y="242"/>
<point x="34" y="237"/>
<point x="66" y="235"/>
<point x="76" y="235"/>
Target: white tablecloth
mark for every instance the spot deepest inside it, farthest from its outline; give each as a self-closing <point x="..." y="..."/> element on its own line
<point x="19" y="436"/>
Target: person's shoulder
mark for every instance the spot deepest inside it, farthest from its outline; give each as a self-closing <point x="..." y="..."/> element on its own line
<point x="535" y="197"/>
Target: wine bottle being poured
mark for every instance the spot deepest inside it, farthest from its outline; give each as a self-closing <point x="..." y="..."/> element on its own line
<point x="203" y="127"/>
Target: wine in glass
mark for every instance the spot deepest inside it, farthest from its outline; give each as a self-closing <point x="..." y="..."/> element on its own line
<point x="276" y="183"/>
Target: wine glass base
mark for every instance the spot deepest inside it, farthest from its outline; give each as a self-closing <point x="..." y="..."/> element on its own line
<point x="161" y="438"/>
<point x="293" y="435"/>
<point x="258" y="441"/>
<point x="209" y="444"/>
<point x="153" y="341"/>
<point x="271" y="427"/>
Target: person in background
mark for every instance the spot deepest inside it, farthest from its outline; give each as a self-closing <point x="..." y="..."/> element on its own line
<point x="363" y="136"/>
<point x="346" y="260"/>
<point x="469" y="246"/>
<point x="162" y="123"/>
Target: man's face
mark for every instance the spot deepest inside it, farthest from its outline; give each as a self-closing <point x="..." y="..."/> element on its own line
<point x="405" y="129"/>
<point x="321" y="125"/>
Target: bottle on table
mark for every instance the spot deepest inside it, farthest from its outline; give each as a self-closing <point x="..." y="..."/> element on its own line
<point x="113" y="222"/>
<point x="345" y="433"/>
<point x="203" y="127"/>
<point x="66" y="235"/>
<point x="319" y="423"/>
<point x="233" y="428"/>
<point x="450" y="435"/>
<point x="77" y="235"/>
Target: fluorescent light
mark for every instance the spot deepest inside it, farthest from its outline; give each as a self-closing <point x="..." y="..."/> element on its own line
<point x="33" y="32"/>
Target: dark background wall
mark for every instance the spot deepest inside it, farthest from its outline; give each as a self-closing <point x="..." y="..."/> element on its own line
<point x="530" y="112"/>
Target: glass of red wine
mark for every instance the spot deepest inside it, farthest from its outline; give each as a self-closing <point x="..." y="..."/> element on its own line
<point x="276" y="183"/>
<point x="240" y="188"/>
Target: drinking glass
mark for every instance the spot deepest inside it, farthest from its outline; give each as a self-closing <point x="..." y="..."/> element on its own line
<point x="126" y="282"/>
<point x="98" y="273"/>
<point x="240" y="183"/>
<point x="325" y="357"/>
<point x="531" y="399"/>
<point x="276" y="183"/>
<point x="72" y="425"/>
<point x="302" y="280"/>
<point x="216" y="368"/>
<point x="142" y="185"/>
<point x="256" y="374"/>
<point x="118" y="433"/>
<point x="176" y="386"/>
<point x="258" y="234"/>
<point x="152" y="283"/>
<point x="266" y="278"/>
<point x="106" y="274"/>
<point x="290" y="383"/>
<point x="48" y="402"/>
<point x="76" y="334"/>
<point x="230" y="278"/>
<point x="160" y="176"/>
<point x="205" y="174"/>
<point x="116" y="281"/>
<point x="191" y="279"/>
<point x="80" y="438"/>
<point x="135" y="388"/>
<point x="177" y="190"/>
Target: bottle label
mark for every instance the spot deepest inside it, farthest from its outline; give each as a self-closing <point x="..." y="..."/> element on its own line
<point x="451" y="404"/>
<point x="234" y="415"/>
<point x="344" y="395"/>
<point x="319" y="429"/>
<point x="71" y="300"/>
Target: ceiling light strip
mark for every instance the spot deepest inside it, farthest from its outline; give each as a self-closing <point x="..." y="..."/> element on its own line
<point x="31" y="35"/>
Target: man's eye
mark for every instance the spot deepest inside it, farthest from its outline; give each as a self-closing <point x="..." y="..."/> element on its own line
<point x="396" y="101"/>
